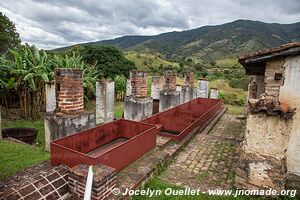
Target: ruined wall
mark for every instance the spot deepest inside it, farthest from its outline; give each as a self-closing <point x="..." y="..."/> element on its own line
<point x="269" y="135"/>
<point x="290" y="94"/>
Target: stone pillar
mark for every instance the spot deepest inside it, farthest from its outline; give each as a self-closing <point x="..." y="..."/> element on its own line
<point x="104" y="180"/>
<point x="138" y="106"/>
<point x="156" y="87"/>
<point x="202" y="88"/>
<point x="50" y="97"/>
<point x="105" y="91"/>
<point x="169" y="97"/>
<point x="69" y="116"/>
<point x="128" y="88"/>
<point x="214" y="93"/>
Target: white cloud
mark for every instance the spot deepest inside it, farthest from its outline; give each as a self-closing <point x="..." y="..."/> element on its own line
<point x="51" y="24"/>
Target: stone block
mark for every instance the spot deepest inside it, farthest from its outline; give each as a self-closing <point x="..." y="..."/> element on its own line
<point x="137" y="108"/>
<point x="58" y="126"/>
<point x="168" y="99"/>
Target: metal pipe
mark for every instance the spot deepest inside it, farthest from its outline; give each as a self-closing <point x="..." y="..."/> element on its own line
<point x="89" y="184"/>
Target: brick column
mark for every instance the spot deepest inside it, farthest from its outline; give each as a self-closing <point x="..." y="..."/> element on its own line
<point x="138" y="83"/>
<point x="169" y="97"/>
<point x="105" y="91"/>
<point x="69" y="90"/>
<point x="189" y="79"/>
<point x="138" y="106"/>
<point x="187" y="90"/>
<point x="170" y="80"/>
<point x="69" y="116"/>
<point x="104" y="181"/>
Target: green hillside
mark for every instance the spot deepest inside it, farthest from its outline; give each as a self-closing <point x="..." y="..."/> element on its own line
<point x="144" y="60"/>
<point x="209" y="43"/>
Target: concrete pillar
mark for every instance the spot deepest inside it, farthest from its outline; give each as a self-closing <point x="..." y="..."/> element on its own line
<point x="214" y="93"/>
<point x="138" y="106"/>
<point x="128" y="87"/>
<point x="105" y="91"/>
<point x="202" y="88"/>
<point x="50" y="97"/>
<point x="186" y="94"/>
<point x="179" y="89"/>
<point x="155" y="87"/>
<point x="169" y="97"/>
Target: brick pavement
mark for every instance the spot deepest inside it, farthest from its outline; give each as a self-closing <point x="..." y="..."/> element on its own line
<point x="209" y="160"/>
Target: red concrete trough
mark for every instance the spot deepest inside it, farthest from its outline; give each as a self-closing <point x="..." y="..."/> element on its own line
<point x="115" y="144"/>
<point x="177" y="122"/>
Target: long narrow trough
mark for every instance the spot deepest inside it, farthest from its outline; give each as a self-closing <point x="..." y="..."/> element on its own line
<point x="177" y="122"/>
<point x="116" y="144"/>
<point x="121" y="142"/>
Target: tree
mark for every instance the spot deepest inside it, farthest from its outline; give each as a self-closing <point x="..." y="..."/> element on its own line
<point x="9" y="38"/>
<point x="108" y="60"/>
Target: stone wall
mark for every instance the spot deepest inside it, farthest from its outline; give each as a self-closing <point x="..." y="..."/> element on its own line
<point x="69" y="90"/>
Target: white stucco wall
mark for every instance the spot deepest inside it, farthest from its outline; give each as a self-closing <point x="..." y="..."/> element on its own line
<point x="290" y="93"/>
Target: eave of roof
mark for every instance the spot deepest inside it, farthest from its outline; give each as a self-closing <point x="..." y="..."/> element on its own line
<point x="265" y="54"/>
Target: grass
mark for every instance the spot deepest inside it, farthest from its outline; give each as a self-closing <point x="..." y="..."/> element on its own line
<point x="37" y="124"/>
<point x="15" y="157"/>
<point x="227" y="63"/>
<point x="236" y="110"/>
<point x="157" y="184"/>
<point x="119" y="107"/>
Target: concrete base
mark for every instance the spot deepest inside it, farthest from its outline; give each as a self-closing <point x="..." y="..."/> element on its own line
<point x="137" y="109"/>
<point x="186" y="94"/>
<point x="168" y="99"/>
<point x="60" y="126"/>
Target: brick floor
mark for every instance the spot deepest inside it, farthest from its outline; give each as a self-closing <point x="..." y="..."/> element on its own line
<point x="209" y="160"/>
